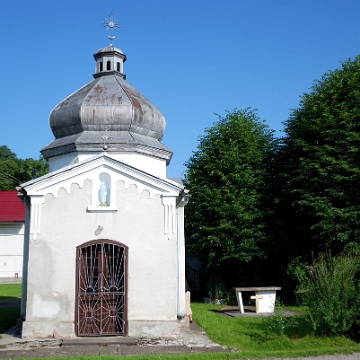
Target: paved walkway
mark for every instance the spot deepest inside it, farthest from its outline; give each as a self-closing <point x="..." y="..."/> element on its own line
<point x="10" y="280"/>
<point x="188" y="339"/>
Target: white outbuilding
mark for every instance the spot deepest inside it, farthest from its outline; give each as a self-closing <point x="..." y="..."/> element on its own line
<point x="104" y="237"/>
<point x="12" y="220"/>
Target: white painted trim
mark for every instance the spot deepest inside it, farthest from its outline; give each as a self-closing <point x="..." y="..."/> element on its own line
<point x="79" y="172"/>
<point x="100" y="209"/>
<point x="169" y="203"/>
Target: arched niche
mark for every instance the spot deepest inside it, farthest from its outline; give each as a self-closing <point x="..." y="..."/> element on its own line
<point x="104" y="190"/>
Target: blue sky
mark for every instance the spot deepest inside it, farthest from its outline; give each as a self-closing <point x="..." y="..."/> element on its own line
<point x="190" y="58"/>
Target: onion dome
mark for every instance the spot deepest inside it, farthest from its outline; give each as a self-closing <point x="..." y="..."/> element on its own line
<point x="107" y="114"/>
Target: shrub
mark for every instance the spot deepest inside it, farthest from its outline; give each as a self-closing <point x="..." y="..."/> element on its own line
<point x="330" y="289"/>
<point x="276" y="323"/>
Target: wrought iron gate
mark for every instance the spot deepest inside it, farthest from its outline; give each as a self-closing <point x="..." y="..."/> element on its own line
<point x="101" y="289"/>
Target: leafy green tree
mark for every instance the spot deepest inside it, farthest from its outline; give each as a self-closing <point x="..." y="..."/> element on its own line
<point x="8" y="171"/>
<point x="227" y="179"/>
<point x="31" y="168"/>
<point x="319" y="206"/>
<point x="14" y="171"/>
<point x="6" y="153"/>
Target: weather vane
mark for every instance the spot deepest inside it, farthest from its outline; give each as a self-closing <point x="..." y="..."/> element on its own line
<point x="110" y="24"/>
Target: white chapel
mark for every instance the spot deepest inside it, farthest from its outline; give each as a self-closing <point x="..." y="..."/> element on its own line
<point x="104" y="246"/>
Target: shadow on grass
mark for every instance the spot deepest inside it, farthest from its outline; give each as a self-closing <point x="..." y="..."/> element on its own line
<point x="8" y="318"/>
<point x="8" y="298"/>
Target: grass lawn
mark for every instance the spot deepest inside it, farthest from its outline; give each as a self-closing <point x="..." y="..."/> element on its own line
<point x="8" y="291"/>
<point x="8" y="316"/>
<point x="275" y="336"/>
<point x="253" y="337"/>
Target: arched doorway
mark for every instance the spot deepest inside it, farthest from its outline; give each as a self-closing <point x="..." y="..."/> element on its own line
<point x="101" y="288"/>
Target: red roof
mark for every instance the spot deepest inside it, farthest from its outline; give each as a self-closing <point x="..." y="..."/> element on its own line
<point x="11" y="208"/>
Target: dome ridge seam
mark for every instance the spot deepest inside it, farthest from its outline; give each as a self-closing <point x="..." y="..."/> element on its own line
<point x="132" y="107"/>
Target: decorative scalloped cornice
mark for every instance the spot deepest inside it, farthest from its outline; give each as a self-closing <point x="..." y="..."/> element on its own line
<point x="79" y="172"/>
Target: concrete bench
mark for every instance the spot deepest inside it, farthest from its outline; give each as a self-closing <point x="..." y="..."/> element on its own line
<point x="264" y="298"/>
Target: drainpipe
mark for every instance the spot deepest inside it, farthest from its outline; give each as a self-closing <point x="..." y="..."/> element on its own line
<point x="26" y="200"/>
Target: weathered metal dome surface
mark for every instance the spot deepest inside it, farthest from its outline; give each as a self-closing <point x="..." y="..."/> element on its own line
<point x="108" y="105"/>
<point x="108" y="102"/>
<point x="109" y="48"/>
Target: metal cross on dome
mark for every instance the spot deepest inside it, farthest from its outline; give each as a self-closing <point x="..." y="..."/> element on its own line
<point x="105" y="138"/>
<point x="111" y="24"/>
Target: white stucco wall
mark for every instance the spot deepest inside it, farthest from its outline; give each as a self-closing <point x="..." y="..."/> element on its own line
<point x="66" y="223"/>
<point x="151" y="165"/>
<point x="11" y="249"/>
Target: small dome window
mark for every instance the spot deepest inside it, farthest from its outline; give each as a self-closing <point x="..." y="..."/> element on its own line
<point x="118" y="66"/>
<point x="108" y="65"/>
<point x="101" y="66"/>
